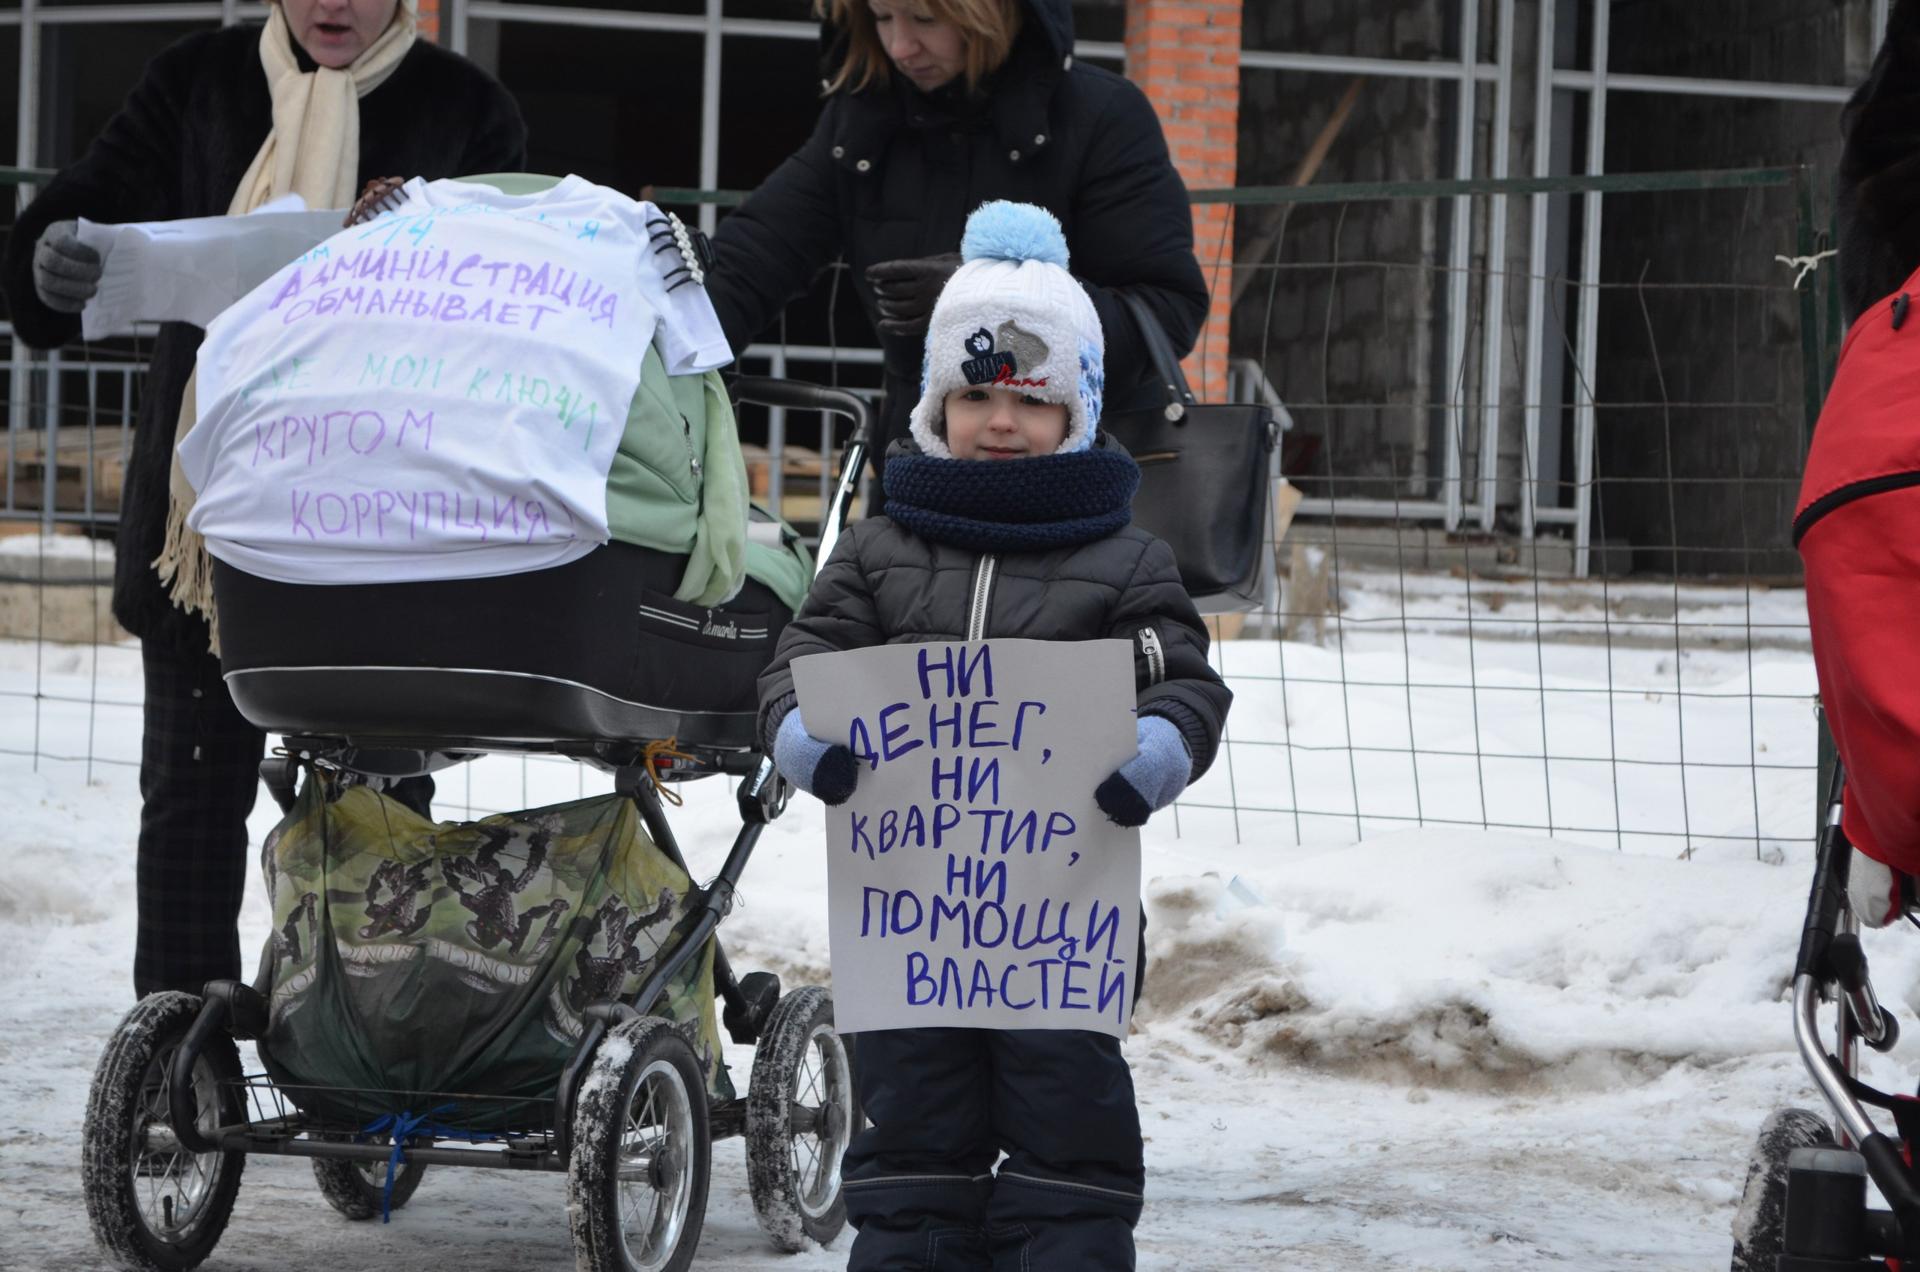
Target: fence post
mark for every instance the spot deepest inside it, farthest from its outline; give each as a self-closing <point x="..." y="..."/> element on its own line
<point x="1813" y="387"/>
<point x="1814" y="356"/>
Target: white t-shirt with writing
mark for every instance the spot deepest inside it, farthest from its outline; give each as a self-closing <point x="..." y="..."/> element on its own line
<point x="438" y="393"/>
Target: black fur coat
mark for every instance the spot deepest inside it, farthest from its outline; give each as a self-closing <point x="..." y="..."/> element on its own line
<point x="178" y="148"/>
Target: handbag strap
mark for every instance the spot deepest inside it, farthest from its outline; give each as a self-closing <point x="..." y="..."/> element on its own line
<point x="1160" y="349"/>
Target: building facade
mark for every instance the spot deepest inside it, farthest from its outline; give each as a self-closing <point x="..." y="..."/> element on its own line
<point x="1590" y="369"/>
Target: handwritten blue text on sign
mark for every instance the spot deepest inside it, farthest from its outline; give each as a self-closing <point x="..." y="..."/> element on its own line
<point x="972" y="879"/>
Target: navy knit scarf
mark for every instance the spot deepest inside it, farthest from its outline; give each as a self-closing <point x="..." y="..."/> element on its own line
<point x="1018" y="505"/>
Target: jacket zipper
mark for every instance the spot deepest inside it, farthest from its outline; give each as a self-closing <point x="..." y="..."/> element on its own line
<point x="1156" y="656"/>
<point x="686" y="436"/>
<point x="983" y="571"/>
<point x="1847" y="494"/>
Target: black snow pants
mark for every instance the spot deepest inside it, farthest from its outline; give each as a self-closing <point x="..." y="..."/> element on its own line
<point x="199" y="776"/>
<point x="921" y="1186"/>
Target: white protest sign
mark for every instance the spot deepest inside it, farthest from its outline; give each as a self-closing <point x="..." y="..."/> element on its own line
<point x="972" y="880"/>
<point x="438" y="393"/>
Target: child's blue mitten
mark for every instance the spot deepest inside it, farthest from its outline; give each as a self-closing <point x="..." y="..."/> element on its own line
<point x="1152" y="779"/>
<point x="825" y="770"/>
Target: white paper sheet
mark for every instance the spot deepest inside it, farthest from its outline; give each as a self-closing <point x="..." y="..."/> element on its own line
<point x="190" y="270"/>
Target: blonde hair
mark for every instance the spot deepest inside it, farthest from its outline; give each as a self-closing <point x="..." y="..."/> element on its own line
<point x="989" y="28"/>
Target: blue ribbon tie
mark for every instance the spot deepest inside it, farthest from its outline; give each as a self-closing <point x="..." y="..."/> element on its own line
<point x="404" y="1126"/>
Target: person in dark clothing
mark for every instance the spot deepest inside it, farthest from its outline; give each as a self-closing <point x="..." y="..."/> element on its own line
<point x="1877" y="199"/>
<point x="1877" y="211"/>
<point x="934" y="107"/>
<point x="330" y="93"/>
<point x="1008" y="516"/>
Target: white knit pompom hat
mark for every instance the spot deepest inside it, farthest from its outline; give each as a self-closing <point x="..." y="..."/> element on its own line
<point x="1013" y="317"/>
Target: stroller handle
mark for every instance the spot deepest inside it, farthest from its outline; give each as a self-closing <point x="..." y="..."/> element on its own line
<point x="800" y="395"/>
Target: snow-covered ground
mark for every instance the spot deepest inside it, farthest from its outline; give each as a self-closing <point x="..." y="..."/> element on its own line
<point x="1361" y="1044"/>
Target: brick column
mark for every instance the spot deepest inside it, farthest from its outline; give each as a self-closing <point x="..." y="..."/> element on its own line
<point x="1185" y="54"/>
<point x="430" y="20"/>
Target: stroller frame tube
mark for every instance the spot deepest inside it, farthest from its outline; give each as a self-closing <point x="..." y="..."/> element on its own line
<point x="798" y="395"/>
<point x="1827" y="1072"/>
<point x="1816" y="968"/>
<point x="1826" y="909"/>
<point x="699" y="923"/>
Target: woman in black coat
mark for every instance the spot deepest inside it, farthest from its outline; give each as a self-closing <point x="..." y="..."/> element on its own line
<point x="193" y="131"/>
<point x="1878" y="194"/>
<point x="933" y="108"/>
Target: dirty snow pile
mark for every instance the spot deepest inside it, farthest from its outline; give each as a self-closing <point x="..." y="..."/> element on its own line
<point x="1471" y="959"/>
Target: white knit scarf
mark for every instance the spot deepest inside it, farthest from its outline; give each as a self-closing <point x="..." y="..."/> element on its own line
<point x="313" y="150"/>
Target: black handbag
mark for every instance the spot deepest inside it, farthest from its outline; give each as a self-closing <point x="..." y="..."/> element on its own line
<point x="1204" y="479"/>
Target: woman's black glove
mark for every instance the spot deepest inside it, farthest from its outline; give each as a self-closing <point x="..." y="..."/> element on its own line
<point x="906" y="290"/>
<point x="66" y="272"/>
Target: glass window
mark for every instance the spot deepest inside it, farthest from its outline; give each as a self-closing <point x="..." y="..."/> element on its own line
<point x="9" y="131"/>
<point x="1104" y="20"/>
<point x="769" y="100"/>
<point x="1096" y="20"/>
<point x="1795" y="44"/>
<point x="618" y="107"/>
<point x="774" y="10"/>
<point x="9" y="99"/>
<point x="86" y="72"/>
<point x="1369" y="28"/>
<point x="628" y="6"/>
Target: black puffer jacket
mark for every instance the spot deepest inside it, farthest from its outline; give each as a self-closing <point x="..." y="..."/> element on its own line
<point x="1878" y="196"/>
<point x="887" y="586"/>
<point x="891" y="173"/>
<point x="178" y="148"/>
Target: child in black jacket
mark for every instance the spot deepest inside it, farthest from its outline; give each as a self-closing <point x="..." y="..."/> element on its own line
<point x="1007" y="517"/>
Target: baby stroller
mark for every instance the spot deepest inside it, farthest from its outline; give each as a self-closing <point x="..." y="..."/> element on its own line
<point x="629" y="1119"/>
<point x="1804" y="1207"/>
<point x="1805" y="1204"/>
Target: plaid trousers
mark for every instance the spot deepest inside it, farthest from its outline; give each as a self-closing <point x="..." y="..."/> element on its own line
<point x="199" y="776"/>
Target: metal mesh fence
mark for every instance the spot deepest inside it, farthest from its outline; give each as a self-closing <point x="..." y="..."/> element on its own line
<point x="1530" y="566"/>
<point x="1538" y="578"/>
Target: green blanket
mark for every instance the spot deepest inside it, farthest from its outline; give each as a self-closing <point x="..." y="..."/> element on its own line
<point x="411" y="959"/>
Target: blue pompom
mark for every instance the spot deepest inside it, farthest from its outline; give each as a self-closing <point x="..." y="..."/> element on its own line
<point x="1003" y="231"/>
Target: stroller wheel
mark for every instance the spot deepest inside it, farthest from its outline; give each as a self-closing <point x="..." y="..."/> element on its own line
<point x="354" y="1188"/>
<point x="153" y="1205"/>
<point x="1759" y="1226"/>
<point x="801" y="1113"/>
<point x="637" y="1180"/>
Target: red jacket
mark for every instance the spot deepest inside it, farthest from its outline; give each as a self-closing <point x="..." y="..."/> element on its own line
<point x="1857" y="526"/>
